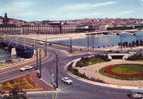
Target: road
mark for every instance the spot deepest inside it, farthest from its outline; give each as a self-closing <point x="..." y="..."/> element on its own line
<point x="79" y="89"/>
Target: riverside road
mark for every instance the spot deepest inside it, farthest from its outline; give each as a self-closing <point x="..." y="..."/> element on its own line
<point x="79" y="89"/>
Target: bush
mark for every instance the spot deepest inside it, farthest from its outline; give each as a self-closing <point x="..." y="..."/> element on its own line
<point x="76" y="72"/>
<point x="85" y="61"/>
<point x="136" y="57"/>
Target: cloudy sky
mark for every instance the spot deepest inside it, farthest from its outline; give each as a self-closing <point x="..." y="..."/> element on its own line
<point x="71" y="9"/>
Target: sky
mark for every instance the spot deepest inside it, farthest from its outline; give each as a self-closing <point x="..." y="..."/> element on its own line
<point x="32" y="10"/>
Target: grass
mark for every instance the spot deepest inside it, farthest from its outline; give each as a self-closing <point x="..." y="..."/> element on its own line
<point x="25" y="83"/>
<point x="136" y="57"/>
<point x="128" y="68"/>
<point x="2" y="65"/>
<point x="77" y="73"/>
<point x="124" y="71"/>
<point x="89" y="61"/>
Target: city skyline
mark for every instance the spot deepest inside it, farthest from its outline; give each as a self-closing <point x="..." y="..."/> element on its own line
<point x="76" y="9"/>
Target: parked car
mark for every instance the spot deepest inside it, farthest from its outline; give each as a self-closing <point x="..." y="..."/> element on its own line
<point x="66" y="80"/>
<point x="28" y="67"/>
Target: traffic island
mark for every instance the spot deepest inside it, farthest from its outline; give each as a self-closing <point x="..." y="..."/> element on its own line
<point x="27" y="83"/>
<point x="91" y="74"/>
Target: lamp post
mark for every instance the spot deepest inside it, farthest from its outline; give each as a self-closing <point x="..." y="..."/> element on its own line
<point x="88" y="41"/>
<point x="93" y="43"/>
<point x="38" y="62"/>
<point x="37" y="59"/>
<point x="121" y="43"/>
<point x="71" y="50"/>
<point x="60" y="26"/>
<point x="40" y="65"/>
<point x="46" y="45"/>
<point x="36" y="54"/>
<point x="57" y="71"/>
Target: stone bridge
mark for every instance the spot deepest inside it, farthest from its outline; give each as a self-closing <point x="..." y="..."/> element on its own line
<point x="22" y="50"/>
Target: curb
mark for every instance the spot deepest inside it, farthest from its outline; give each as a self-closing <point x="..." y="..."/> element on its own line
<point x="98" y="83"/>
<point x="40" y="92"/>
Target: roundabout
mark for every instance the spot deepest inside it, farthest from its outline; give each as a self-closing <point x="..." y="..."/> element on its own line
<point x="79" y="87"/>
<point x="120" y="73"/>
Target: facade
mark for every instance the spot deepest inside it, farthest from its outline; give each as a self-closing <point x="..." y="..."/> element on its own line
<point x="14" y="26"/>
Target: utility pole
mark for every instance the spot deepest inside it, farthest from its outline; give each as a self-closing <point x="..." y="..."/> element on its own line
<point x="38" y="62"/>
<point x="71" y="50"/>
<point x="60" y="26"/>
<point x="93" y="43"/>
<point x="40" y="69"/>
<point x="88" y="41"/>
<point x="46" y="45"/>
<point x="121" y="44"/>
<point x="57" y="71"/>
<point x="37" y="59"/>
<point x="46" y="48"/>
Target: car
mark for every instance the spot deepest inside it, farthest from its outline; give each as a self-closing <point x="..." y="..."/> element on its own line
<point x="26" y="68"/>
<point x="41" y="42"/>
<point x="136" y="94"/>
<point x="66" y="80"/>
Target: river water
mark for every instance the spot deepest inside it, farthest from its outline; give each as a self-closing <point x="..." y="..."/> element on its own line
<point x="3" y="55"/>
<point x="104" y="41"/>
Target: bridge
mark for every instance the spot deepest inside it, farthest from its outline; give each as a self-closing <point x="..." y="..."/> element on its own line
<point x="22" y="50"/>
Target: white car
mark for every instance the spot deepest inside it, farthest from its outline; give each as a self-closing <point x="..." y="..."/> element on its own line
<point x="26" y="68"/>
<point x="136" y="94"/>
<point x="66" y="80"/>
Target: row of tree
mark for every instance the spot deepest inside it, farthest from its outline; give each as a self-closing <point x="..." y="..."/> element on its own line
<point x="15" y="93"/>
<point x="132" y="44"/>
<point x="126" y="27"/>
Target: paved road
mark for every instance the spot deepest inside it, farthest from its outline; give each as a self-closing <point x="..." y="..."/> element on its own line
<point x="79" y="89"/>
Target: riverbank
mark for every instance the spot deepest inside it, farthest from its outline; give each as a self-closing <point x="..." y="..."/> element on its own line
<point x="53" y="37"/>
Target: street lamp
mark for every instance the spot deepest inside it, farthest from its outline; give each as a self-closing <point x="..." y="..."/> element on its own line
<point x="71" y="50"/>
<point x="37" y="59"/>
<point x="46" y="45"/>
<point x="57" y="71"/>
<point x="88" y="41"/>
<point x="93" y="42"/>
<point x="36" y="54"/>
<point x="38" y="62"/>
<point x="121" y="43"/>
<point x="56" y="77"/>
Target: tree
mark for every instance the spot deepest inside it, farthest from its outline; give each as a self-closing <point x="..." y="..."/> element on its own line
<point x="15" y="93"/>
